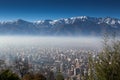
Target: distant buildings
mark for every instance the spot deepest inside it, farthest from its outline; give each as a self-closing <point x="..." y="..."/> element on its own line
<point x="72" y="63"/>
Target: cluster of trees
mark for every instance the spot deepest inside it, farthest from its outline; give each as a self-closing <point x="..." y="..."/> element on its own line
<point x="9" y="75"/>
<point x="105" y="66"/>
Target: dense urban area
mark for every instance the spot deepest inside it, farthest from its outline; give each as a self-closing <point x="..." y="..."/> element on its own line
<point x="71" y="63"/>
<point x="36" y="63"/>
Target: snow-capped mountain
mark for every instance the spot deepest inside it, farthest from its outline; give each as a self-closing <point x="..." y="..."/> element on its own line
<point x="72" y="20"/>
<point x="82" y="25"/>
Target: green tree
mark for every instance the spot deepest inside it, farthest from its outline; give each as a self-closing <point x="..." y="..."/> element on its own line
<point x="90" y="68"/>
<point x="59" y="76"/>
<point x="51" y="75"/>
<point x="8" y="75"/>
<point x="108" y="61"/>
<point x="30" y="76"/>
<point x="39" y="76"/>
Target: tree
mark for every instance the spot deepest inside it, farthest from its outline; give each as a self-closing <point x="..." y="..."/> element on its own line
<point x="59" y="76"/>
<point x="8" y="75"/>
<point x="37" y="76"/>
<point x="108" y="61"/>
<point x="91" y="67"/>
<point x="28" y="77"/>
<point x="22" y="66"/>
<point x="51" y="75"/>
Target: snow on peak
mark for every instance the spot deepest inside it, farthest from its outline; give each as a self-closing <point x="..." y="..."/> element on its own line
<point x="113" y="22"/>
<point x="53" y="22"/>
<point x="2" y="22"/>
<point x="83" y="17"/>
<point x="39" y="22"/>
<point x="80" y="17"/>
<point x="107" y="20"/>
<point x="7" y="22"/>
<point x="119" y="21"/>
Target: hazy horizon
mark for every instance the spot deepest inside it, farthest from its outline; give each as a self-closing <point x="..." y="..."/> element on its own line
<point x="51" y="42"/>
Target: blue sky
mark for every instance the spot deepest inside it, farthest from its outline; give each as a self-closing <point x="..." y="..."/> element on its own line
<point x="33" y="10"/>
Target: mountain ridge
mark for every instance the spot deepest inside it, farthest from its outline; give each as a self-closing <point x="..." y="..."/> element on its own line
<point x="81" y="25"/>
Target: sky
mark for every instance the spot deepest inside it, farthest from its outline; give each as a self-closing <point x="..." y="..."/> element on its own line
<point x="33" y="10"/>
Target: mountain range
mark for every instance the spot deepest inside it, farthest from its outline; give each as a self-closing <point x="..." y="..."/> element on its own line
<point x="74" y="26"/>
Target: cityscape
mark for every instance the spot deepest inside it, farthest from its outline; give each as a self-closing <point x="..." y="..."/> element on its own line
<point x="59" y="39"/>
<point x="72" y="63"/>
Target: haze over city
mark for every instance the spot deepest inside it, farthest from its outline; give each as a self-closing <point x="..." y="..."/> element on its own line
<point x="59" y="39"/>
